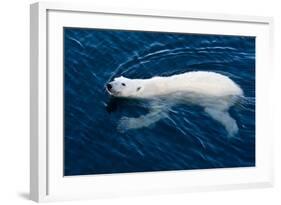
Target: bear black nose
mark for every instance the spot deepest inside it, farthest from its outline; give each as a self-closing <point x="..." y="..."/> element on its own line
<point x="109" y="86"/>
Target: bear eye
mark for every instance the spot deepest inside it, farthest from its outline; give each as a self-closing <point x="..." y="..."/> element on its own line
<point x="123" y="84"/>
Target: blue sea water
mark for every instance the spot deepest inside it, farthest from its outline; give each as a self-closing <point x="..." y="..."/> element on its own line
<point x="188" y="138"/>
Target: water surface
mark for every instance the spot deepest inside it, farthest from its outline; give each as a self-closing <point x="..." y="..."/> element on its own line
<point x="188" y="138"/>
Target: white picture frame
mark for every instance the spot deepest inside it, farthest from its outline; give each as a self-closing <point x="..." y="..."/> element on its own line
<point x="47" y="182"/>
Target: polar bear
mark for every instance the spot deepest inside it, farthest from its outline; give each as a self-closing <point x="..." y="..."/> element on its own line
<point x="215" y="92"/>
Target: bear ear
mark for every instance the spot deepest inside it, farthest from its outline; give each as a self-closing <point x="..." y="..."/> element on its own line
<point x="117" y="78"/>
<point x="138" y="89"/>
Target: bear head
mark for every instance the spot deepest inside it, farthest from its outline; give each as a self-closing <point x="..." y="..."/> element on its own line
<point x="124" y="87"/>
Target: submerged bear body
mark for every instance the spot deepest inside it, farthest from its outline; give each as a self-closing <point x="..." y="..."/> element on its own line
<point x="215" y="92"/>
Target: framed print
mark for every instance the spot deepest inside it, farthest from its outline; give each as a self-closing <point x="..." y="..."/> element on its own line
<point x="128" y="101"/>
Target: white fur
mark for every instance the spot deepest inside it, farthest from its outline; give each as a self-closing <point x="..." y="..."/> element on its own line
<point x="215" y="92"/>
